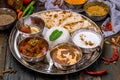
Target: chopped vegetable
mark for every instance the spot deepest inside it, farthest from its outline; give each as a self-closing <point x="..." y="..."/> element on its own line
<point x="97" y="72"/>
<point x="27" y="8"/>
<point x="55" y="35"/>
<point x="114" y="57"/>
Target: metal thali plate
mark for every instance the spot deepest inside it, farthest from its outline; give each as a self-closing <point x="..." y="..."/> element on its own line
<point x="45" y="66"/>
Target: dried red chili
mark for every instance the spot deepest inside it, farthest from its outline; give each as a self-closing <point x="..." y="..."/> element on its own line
<point x="108" y="27"/>
<point x="96" y="72"/>
<point x="114" y="57"/>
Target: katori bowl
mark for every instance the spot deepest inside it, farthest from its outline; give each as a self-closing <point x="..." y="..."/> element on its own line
<point x="8" y="18"/>
<point x="65" y="56"/>
<point x="30" y="26"/>
<point x="88" y="40"/>
<point x="96" y="11"/>
<point x="33" y="49"/>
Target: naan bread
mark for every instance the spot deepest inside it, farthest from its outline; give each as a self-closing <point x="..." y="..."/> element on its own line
<point x="73" y="19"/>
<point x="70" y="20"/>
<point x="55" y="18"/>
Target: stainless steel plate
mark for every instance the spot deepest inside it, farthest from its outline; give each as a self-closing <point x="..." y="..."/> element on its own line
<point x="46" y="66"/>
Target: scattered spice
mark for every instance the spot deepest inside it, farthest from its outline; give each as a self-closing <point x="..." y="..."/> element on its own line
<point x="118" y="39"/>
<point x="114" y="57"/>
<point x="8" y="71"/>
<point x="96" y="72"/>
<point x="57" y="2"/>
<point x="115" y="42"/>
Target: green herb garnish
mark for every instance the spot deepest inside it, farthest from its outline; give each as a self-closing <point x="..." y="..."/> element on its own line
<point x="55" y="35"/>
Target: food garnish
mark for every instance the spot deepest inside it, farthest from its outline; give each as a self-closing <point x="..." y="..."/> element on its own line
<point x="96" y="72"/>
<point x="55" y="35"/>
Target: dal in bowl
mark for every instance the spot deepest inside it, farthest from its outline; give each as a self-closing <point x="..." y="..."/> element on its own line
<point x="97" y="11"/>
<point x="7" y="18"/>
<point x="65" y="56"/>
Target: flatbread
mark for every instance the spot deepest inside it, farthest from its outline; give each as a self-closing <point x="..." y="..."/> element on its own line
<point x="70" y="20"/>
<point x="54" y="18"/>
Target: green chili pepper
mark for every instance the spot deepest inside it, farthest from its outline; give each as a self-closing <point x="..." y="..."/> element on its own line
<point x="55" y="35"/>
<point x="30" y="10"/>
<point x="27" y="8"/>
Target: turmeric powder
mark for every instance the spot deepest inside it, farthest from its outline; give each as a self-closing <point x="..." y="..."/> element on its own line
<point x="76" y="2"/>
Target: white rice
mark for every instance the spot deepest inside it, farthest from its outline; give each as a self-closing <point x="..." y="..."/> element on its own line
<point x="64" y="38"/>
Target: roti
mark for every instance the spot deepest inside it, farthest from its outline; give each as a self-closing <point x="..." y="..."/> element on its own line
<point x="70" y="20"/>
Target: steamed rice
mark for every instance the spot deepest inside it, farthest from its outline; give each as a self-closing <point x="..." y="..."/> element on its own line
<point x="62" y="39"/>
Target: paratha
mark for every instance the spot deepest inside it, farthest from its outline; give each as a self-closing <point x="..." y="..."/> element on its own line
<point x="70" y="20"/>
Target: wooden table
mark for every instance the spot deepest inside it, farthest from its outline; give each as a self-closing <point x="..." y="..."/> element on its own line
<point x="8" y="62"/>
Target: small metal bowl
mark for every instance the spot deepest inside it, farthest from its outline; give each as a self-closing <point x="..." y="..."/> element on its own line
<point x="65" y="56"/>
<point x="88" y="40"/>
<point x="8" y="17"/>
<point x="74" y="6"/>
<point x="96" y="17"/>
<point x="30" y="26"/>
<point x="33" y="49"/>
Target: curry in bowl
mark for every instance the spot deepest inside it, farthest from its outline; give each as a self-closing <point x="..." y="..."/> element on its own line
<point x="33" y="48"/>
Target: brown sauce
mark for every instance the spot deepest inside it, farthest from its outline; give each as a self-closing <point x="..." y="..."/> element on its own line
<point x="66" y="55"/>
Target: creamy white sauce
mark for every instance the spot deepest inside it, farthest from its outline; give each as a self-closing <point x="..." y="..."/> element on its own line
<point x="86" y="37"/>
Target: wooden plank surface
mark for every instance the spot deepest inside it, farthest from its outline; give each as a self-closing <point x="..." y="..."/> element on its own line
<point x="3" y="44"/>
